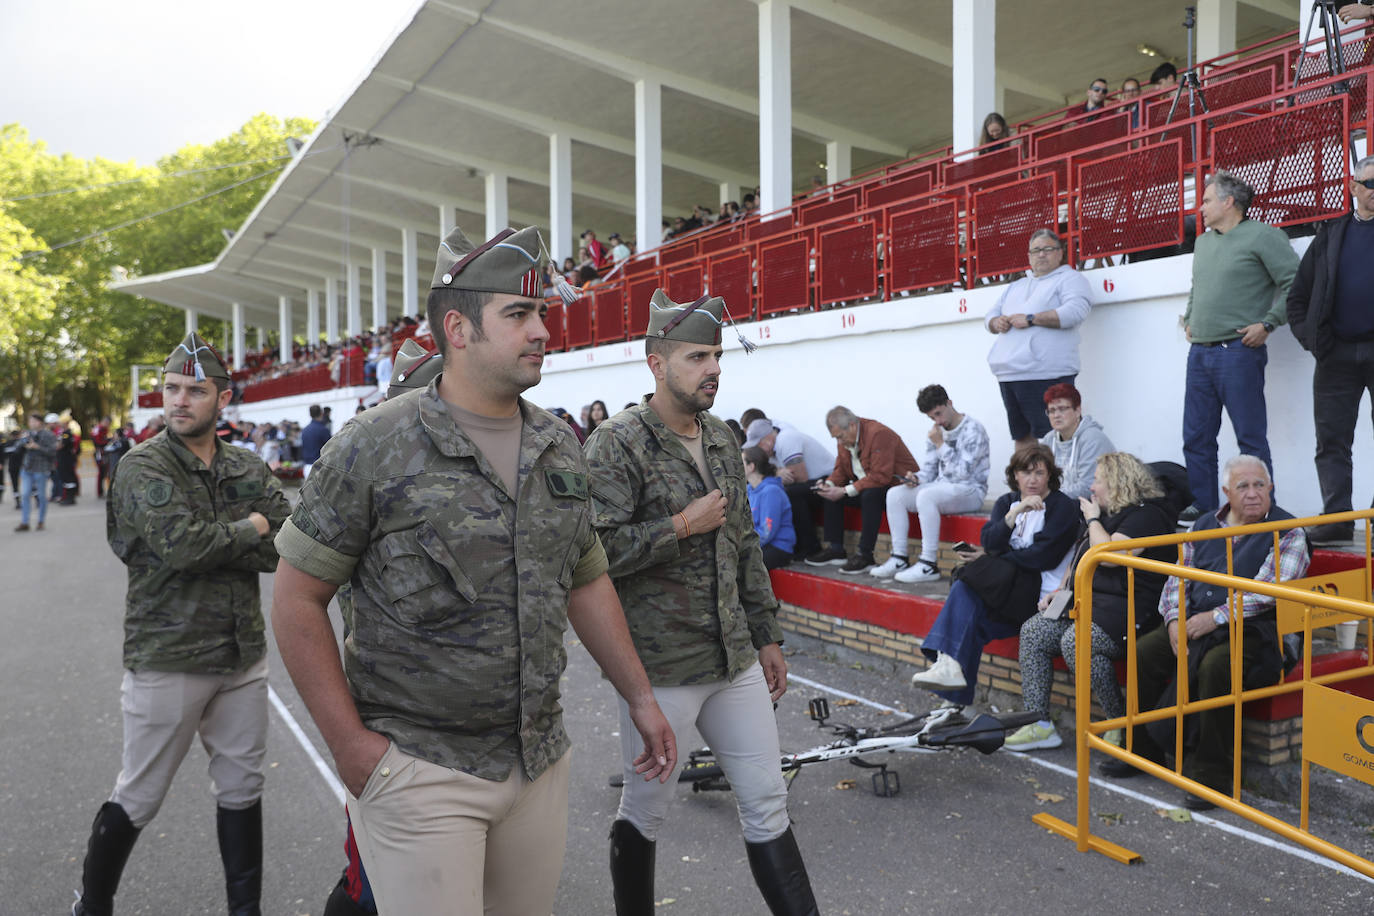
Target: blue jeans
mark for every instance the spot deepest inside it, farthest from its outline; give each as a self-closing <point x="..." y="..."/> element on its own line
<point x="1229" y="375"/>
<point x="1025" y="404"/>
<point x="33" y="483"/>
<point x="962" y="629"/>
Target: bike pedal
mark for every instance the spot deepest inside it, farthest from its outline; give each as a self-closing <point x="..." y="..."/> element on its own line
<point x="886" y="783"/>
<point x="819" y="709"/>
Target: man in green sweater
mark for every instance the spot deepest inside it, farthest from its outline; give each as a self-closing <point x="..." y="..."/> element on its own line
<point x="1241" y="273"/>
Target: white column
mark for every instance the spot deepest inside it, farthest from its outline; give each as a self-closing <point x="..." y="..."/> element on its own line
<point x="729" y="191"/>
<point x="237" y="315"/>
<point x="190" y="321"/>
<point x="448" y="218"/>
<point x="775" y="104"/>
<point x="331" y="309"/>
<point x="355" y="299"/>
<point x="378" y="288"/>
<point x="1216" y="28"/>
<point x="648" y="164"/>
<point x="284" y="328"/>
<point x="838" y="161"/>
<point x="312" y="317"/>
<point x="410" y="273"/>
<point x="498" y="208"/>
<point x="261" y="334"/>
<point x="975" y="68"/>
<point x="561" y="243"/>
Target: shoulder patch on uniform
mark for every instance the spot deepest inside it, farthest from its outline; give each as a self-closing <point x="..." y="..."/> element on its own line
<point x="157" y="492"/>
<point x="566" y="483"/>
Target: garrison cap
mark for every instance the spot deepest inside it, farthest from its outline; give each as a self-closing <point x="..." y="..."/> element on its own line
<point x="696" y="322"/>
<point x="194" y="357"/>
<point x="415" y="367"/>
<point x="508" y="262"/>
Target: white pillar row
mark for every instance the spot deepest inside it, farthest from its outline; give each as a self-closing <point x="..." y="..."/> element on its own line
<point x="975" y="69"/>
<point x="410" y="273"/>
<point x="648" y="164"/>
<point x="839" y="164"/>
<point x="239" y="342"/>
<point x="498" y="207"/>
<point x="261" y="335"/>
<point x="729" y="191"/>
<point x="355" y="299"/>
<point x="378" y="288"/>
<point x="560" y="198"/>
<point x="331" y="310"/>
<point x="191" y="321"/>
<point x="1216" y="28"/>
<point x="284" y="337"/>
<point x="775" y="104"/>
<point x="312" y="317"/>
<point x="448" y="218"/>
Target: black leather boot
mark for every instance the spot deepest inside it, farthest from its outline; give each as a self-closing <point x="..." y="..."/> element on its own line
<point x="240" y="848"/>
<point x="107" y="851"/>
<point x="781" y="875"/>
<point x="632" y="870"/>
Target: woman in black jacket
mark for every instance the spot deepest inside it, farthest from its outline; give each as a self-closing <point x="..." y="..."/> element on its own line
<point x="1027" y="542"/>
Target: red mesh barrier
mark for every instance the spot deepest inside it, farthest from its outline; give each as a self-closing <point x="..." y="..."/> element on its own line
<point x="1003" y="220"/>
<point x="1130" y="202"/>
<point x="922" y="247"/>
<point x="1237" y="90"/>
<point x="642" y="264"/>
<point x="764" y="229"/>
<point x="847" y="263"/>
<point x="828" y="209"/>
<point x="971" y="170"/>
<point x="723" y="240"/>
<point x="578" y="320"/>
<point x="785" y="276"/>
<point x="685" y="283"/>
<point x="608" y="323"/>
<point x="678" y="251"/>
<point x="554" y="322"/>
<point x="898" y="189"/>
<point x="639" y="291"/>
<point x="1295" y="159"/>
<point x="732" y="278"/>
<point x="1102" y="130"/>
<point x="1356" y="52"/>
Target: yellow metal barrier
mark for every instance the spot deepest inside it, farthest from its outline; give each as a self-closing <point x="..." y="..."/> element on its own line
<point x="1338" y="730"/>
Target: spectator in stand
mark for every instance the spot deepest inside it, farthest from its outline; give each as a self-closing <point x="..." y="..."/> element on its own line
<point x="1165" y="76"/>
<point x="772" y="511"/>
<point x="1096" y="103"/>
<point x="1126" y="502"/>
<point x="1036" y="321"/>
<point x="1328" y="309"/>
<point x="953" y="478"/>
<point x="596" y="415"/>
<point x="1242" y="270"/>
<point x="38" y="450"/>
<point x="595" y="252"/>
<point x="1077" y="441"/>
<point x="996" y="134"/>
<point x="1352" y="11"/>
<point x="729" y="212"/>
<point x="818" y="188"/>
<point x="1027" y="542"/>
<point x="1207" y="627"/>
<point x="570" y="270"/>
<point x="313" y="438"/>
<point x="870" y="459"/>
<point x="751" y="205"/>
<point x="801" y="462"/>
<point x="1130" y="93"/>
<point x="619" y="250"/>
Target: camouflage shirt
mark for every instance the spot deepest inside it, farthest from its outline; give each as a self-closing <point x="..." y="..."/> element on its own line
<point x="698" y="608"/>
<point x="458" y="588"/>
<point x="182" y="529"/>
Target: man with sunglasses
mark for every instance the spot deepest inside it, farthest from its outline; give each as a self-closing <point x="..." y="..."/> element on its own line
<point x="1332" y="314"/>
<point x="1096" y="103"/>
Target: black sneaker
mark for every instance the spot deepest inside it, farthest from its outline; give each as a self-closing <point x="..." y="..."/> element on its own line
<point x="826" y="556"/>
<point x="1190" y="515"/>
<point x="1331" y="533"/>
<point x="860" y="562"/>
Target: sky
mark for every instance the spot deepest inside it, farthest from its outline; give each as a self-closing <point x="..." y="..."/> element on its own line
<point x="138" y="79"/>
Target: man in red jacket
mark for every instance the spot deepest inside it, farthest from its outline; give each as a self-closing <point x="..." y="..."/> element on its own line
<point x="870" y="458"/>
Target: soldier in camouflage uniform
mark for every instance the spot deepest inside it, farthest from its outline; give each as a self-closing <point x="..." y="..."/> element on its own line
<point x="672" y="510"/>
<point x="458" y="516"/>
<point x="193" y="519"/>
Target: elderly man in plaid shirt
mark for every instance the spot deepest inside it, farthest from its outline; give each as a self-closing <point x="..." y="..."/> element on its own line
<point x="1206" y="621"/>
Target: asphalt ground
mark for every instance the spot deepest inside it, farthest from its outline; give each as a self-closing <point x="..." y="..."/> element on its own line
<point x="957" y="839"/>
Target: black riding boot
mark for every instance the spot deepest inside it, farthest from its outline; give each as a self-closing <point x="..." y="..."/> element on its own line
<point x="781" y="875"/>
<point x="240" y="848"/>
<point x="632" y="870"/>
<point x="107" y="851"/>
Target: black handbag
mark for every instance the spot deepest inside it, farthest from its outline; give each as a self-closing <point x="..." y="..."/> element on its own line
<point x="1009" y="591"/>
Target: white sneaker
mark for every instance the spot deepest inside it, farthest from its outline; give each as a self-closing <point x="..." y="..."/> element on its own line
<point x="945" y="674"/>
<point x="894" y="565"/>
<point x="1033" y="737"/>
<point x="920" y="571"/>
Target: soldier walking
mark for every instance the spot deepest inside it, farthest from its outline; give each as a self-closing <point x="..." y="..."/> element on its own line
<point x="458" y="516"/>
<point x="671" y="508"/>
<point x="193" y="520"/>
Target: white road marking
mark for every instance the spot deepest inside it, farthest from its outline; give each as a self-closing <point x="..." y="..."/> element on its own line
<point x="1262" y="839"/>
<point x="301" y="738"/>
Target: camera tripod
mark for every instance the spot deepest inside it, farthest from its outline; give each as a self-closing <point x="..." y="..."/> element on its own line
<point x="1331" y="34"/>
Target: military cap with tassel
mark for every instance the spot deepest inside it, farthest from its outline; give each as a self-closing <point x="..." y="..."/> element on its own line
<point x="415" y="367"/>
<point x="196" y="358"/>
<point x="508" y="262"/>
<point x="698" y="322"/>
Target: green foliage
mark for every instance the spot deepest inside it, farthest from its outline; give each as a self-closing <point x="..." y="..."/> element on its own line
<point x="63" y="333"/>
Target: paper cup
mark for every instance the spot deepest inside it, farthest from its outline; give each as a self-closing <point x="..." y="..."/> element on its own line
<point x="1345" y="634"/>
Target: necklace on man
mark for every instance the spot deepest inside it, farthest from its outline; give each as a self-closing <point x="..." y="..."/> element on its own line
<point x="695" y="435"/>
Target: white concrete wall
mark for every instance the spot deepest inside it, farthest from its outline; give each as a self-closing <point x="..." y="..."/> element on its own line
<point x="343" y="401"/>
<point x="874" y="358"/>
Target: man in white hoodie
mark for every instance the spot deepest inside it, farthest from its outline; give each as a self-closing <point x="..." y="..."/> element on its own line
<point x="1077" y="441"/>
<point x="1036" y="321"/>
